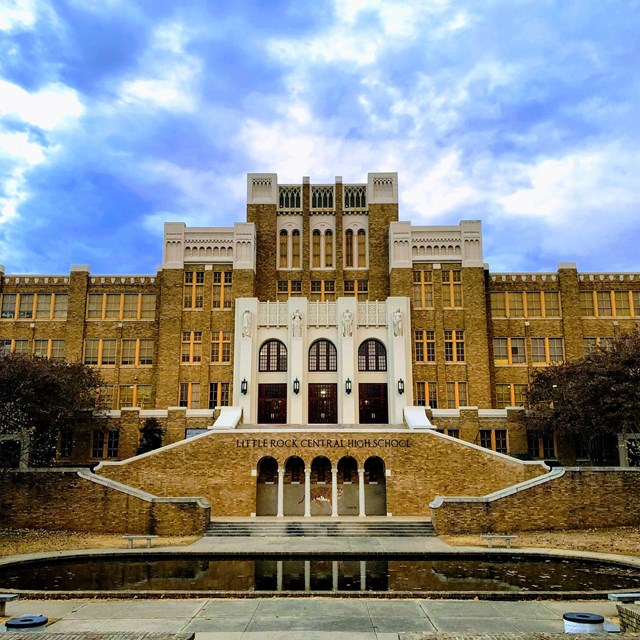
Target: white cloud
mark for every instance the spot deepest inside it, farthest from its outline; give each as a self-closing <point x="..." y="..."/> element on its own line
<point x="17" y="15"/>
<point x="167" y="75"/>
<point x="48" y="108"/>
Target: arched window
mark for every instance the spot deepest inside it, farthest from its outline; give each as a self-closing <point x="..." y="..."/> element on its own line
<point x="273" y="356"/>
<point x="315" y="249"/>
<point x="362" y="248"/>
<point x="284" y="249"/>
<point x="328" y="249"/>
<point x="372" y="356"/>
<point x="348" y="248"/>
<point x="323" y="356"/>
<point x="295" y="249"/>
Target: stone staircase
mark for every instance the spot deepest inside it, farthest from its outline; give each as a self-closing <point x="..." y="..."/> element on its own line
<point x="271" y="528"/>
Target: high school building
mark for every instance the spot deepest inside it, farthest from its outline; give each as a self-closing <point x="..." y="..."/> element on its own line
<point x="322" y="313"/>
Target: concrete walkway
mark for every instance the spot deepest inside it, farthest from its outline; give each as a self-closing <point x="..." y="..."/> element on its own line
<point x="309" y="618"/>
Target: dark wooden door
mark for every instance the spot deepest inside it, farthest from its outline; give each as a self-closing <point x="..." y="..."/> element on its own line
<point x="373" y="403"/>
<point x="272" y="403"/>
<point x="323" y="403"/>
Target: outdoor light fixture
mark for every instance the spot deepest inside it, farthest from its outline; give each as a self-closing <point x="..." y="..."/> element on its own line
<point x="347" y="385"/>
<point x="296" y="386"/>
<point x="243" y="387"/>
<point x="401" y="386"/>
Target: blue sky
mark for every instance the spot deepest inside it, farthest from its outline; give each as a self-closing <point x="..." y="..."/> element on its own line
<point x="118" y="115"/>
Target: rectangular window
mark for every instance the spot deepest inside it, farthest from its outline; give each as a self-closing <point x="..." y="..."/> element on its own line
<point x="323" y="290"/>
<point x="147" y="306"/>
<point x="454" y="346"/>
<point x="60" y="304"/>
<point x="546" y="350"/>
<point x="222" y="281"/>
<point x="113" y="439"/>
<point x="91" y="350"/>
<point x="94" y="306"/>
<point x="135" y="395"/>
<point x="510" y="395"/>
<point x="104" y="397"/>
<point x="8" y="305"/>
<point x="590" y="344"/>
<point x="534" y="304"/>
<point x="425" y="346"/>
<point x="357" y="288"/>
<point x="65" y="443"/>
<point x="137" y="352"/>
<point x="97" y="444"/>
<point x="220" y="347"/>
<point x="112" y="306"/>
<point x="551" y="304"/>
<point x="129" y="349"/>
<point x="99" y="352"/>
<point x="451" y="288"/>
<point x="498" y="306"/>
<point x="218" y="394"/>
<point x="25" y="308"/>
<point x="516" y="305"/>
<point x="130" y="306"/>
<point x="603" y="299"/>
<point x="508" y="351"/>
<point x="191" y="347"/>
<point x="423" y="288"/>
<point x="541" y="445"/>
<point x="193" y="289"/>
<point x="288" y="288"/>
<point x="43" y="306"/>
<point x="621" y="300"/>
<point x="53" y="349"/>
<point x="587" y="307"/>
<point x="426" y="394"/>
<point x="495" y="439"/>
<point x="457" y="395"/>
<point x="189" y="395"/>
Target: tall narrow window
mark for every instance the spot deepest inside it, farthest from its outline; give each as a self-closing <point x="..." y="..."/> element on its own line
<point x="348" y="248"/>
<point x="372" y="356"/>
<point x="362" y="248"/>
<point x="218" y="394"/>
<point x="451" y="288"/>
<point x="191" y="347"/>
<point x="425" y="346"/>
<point x="190" y="395"/>
<point x="284" y="249"/>
<point x="454" y="346"/>
<point x="328" y="249"/>
<point x="295" y="249"/>
<point x="422" y="288"/>
<point x="457" y="395"/>
<point x="220" y="347"/>
<point x="222" y="289"/>
<point x="315" y="249"/>
<point x="193" y="289"/>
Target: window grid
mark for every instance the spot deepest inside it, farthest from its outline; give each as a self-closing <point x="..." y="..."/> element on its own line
<point x="457" y="395"/>
<point x="288" y="288"/>
<point x="134" y="395"/>
<point x="509" y="351"/>
<point x="510" y="395"/>
<point x="372" y="356"/>
<point x="525" y="304"/>
<point x="427" y="394"/>
<point x="425" y="346"/>
<point x="323" y="356"/>
<point x="423" y="288"/>
<point x="272" y="356"/>
<point x="220" y="347"/>
<point x="590" y="344"/>
<point x="189" y="395"/>
<point x="610" y="304"/>
<point x="541" y="445"/>
<point x="49" y="348"/>
<point x="38" y="306"/>
<point x="14" y="346"/>
<point x="137" y="352"/>
<point x="121" y="306"/>
<point x="454" y="345"/>
<point x="191" y="351"/>
<point x="104" y="397"/>
<point x="218" y="394"/>
<point x="451" y="288"/>
<point x="100" y="352"/>
<point x="546" y="350"/>
<point x="222" y="281"/>
<point x="65" y="443"/>
<point x="357" y="288"/>
<point x="494" y="439"/>
<point x="193" y="289"/>
<point x="323" y="290"/>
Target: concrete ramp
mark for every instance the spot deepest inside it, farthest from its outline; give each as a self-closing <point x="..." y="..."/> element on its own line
<point x="416" y="418"/>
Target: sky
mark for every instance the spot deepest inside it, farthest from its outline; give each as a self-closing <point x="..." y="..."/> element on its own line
<point x="119" y="115"/>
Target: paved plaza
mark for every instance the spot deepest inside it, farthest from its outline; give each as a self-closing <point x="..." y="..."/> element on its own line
<point x="304" y="618"/>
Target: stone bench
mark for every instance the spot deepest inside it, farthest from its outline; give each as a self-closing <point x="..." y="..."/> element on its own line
<point x="624" y="597"/>
<point x="490" y="538"/>
<point x="4" y="598"/>
<point x="130" y="540"/>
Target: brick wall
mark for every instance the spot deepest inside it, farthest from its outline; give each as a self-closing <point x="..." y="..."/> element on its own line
<point x="629" y="618"/>
<point x="66" y="501"/>
<point x="576" y="499"/>
<point x="221" y="466"/>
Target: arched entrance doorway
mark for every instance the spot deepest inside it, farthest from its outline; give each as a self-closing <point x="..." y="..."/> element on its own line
<point x="267" y="487"/>
<point x="293" y="488"/>
<point x="375" y="487"/>
<point x="320" y="487"/>
<point x="348" y="499"/>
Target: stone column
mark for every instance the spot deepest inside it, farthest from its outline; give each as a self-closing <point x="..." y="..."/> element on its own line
<point x="307" y="493"/>
<point x="280" y="493"/>
<point x="363" y="575"/>
<point x="361" y="492"/>
<point x="334" y="492"/>
<point x="307" y="575"/>
<point x="279" y="575"/>
<point x="334" y="574"/>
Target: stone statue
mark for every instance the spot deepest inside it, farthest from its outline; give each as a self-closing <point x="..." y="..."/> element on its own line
<point x="297" y="324"/>
<point x="397" y="323"/>
<point x="247" y="321"/>
<point x="347" y="324"/>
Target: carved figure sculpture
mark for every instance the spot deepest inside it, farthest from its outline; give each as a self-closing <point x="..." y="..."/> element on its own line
<point x="397" y="323"/>
<point x="247" y="321"/>
<point x="297" y="324"/>
<point x="347" y="324"/>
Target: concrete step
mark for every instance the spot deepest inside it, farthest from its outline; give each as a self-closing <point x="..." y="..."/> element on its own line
<point x="222" y="528"/>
